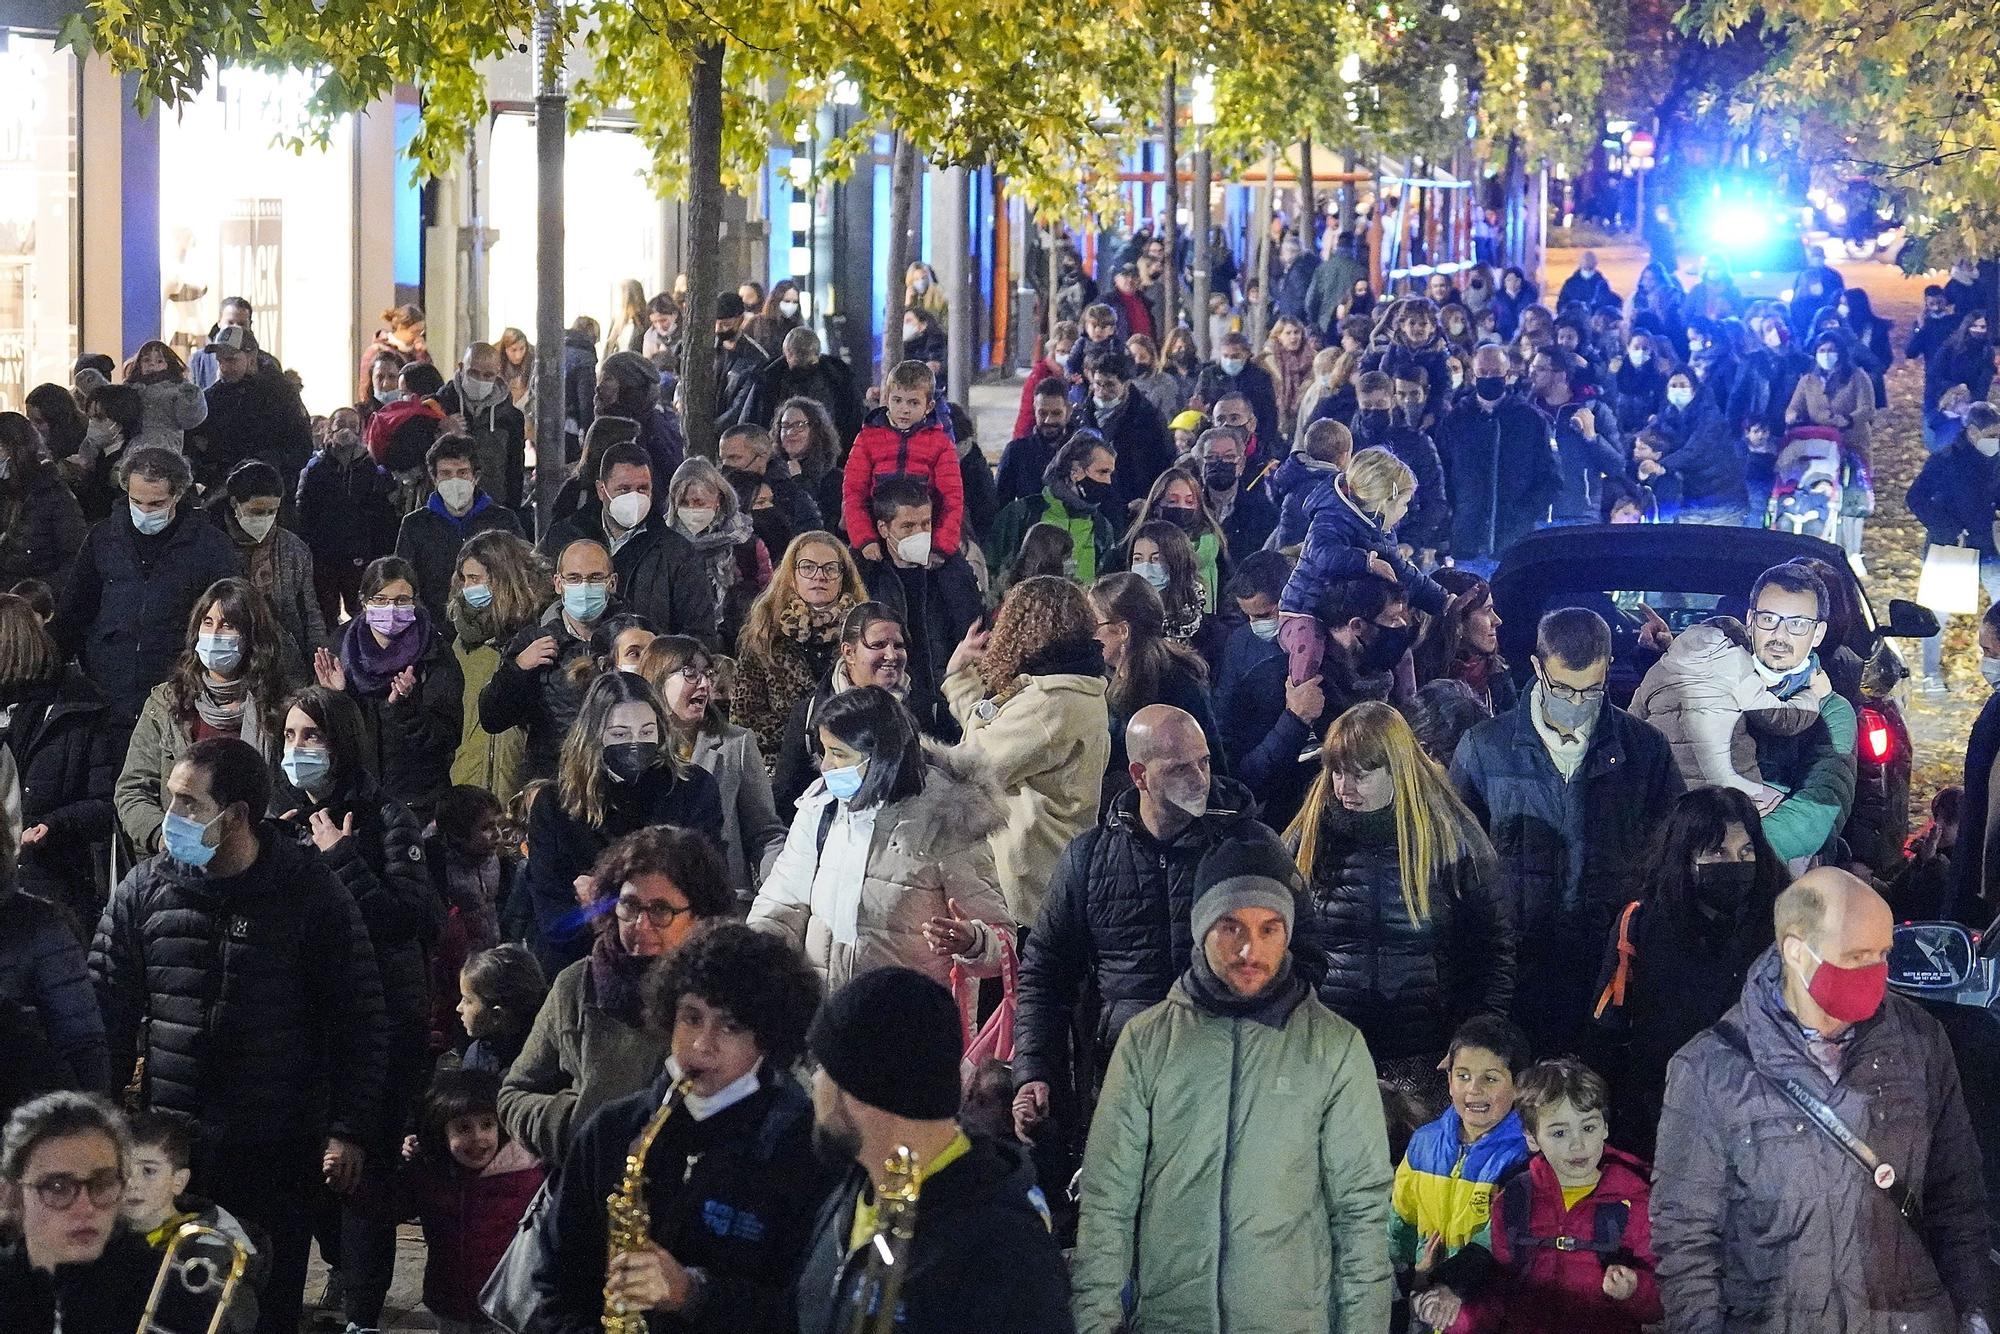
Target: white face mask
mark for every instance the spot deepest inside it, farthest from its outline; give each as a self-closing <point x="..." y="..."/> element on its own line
<point x="1987" y="445"/>
<point x="695" y="518"/>
<point x="1680" y="398"/>
<point x="915" y="549"/>
<point x="911" y="329"/>
<point x="788" y="308"/>
<point x="456" y="493"/>
<point x="1638" y="356"/>
<point x="630" y="509"/>
<point x="1828" y="360"/>
<point x="257" y="527"/>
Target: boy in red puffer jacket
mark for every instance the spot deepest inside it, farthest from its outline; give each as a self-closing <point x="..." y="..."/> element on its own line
<point x="906" y="437"/>
<point x="1571" y="1236"/>
<point x="470" y="1185"/>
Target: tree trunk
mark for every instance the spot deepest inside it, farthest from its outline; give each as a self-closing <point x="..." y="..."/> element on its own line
<point x="700" y="390"/>
<point x="903" y="218"/>
<point x="1052" y="261"/>
<point x="1259" y="322"/>
<point x="1170" y="226"/>
<point x="551" y="124"/>
<point x="1203" y="264"/>
<point x="1308" y="201"/>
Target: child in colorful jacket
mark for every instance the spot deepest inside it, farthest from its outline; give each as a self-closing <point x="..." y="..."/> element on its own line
<point x="906" y="436"/>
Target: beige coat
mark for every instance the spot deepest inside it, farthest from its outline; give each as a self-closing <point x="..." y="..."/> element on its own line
<point x="1047" y="747"/>
<point x="1855" y="403"/>
<point x="922" y="853"/>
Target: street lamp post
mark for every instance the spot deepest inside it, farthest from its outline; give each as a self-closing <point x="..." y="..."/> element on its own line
<point x="1201" y="111"/>
<point x="551" y="114"/>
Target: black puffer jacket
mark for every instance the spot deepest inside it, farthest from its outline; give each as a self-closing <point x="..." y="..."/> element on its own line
<point x="69" y="746"/>
<point x="45" y="530"/>
<point x="412" y="741"/>
<point x="1406" y="985"/>
<point x="106" y="1295"/>
<point x="124" y="611"/>
<point x="1117" y="914"/>
<point x="42" y="970"/>
<point x="256" y="997"/>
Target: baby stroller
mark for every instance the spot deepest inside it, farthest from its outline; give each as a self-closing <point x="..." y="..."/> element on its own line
<point x="1807" y="493"/>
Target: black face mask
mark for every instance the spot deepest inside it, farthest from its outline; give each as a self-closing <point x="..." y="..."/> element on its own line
<point x="1182" y="516"/>
<point x="1097" y="493"/>
<point x="1385" y="648"/>
<point x="1219" y="474"/>
<point x="771" y="528"/>
<point x="1371" y="422"/>
<point x="1490" y="387"/>
<point x="628" y="761"/>
<point x="1721" y="887"/>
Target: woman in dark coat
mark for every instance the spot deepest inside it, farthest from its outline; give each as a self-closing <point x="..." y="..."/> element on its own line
<point x="41" y="525"/>
<point x="1146" y="668"/>
<point x="1463" y="644"/>
<point x="1400" y="884"/>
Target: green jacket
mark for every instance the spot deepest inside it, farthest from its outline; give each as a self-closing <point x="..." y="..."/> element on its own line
<point x="1237" y="1176"/>
<point x="1806" y="821"/>
<point x="1091" y="533"/>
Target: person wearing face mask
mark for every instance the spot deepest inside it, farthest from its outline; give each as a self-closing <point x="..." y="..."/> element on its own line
<point x="1701" y="918"/>
<point x="1239" y="503"/>
<point x="115" y="415"/>
<point x="1135" y="431"/>
<point x="874" y="650"/>
<point x="326" y="798"/>
<point x="477" y="396"/>
<point x="1964" y="357"/>
<point x="1078" y="495"/>
<point x="1234" y="371"/>
<point x="616" y="776"/>
<point x="1383" y="419"/>
<point x="1258" y="583"/>
<point x="254" y="939"/>
<point x="644" y="897"/>
<point x="124" y="609"/>
<point x="1587" y="286"/>
<point x="934" y="600"/>
<point x="1686" y="454"/>
<point x="534" y="686"/>
<point x="1160" y="553"/>
<point x="1571" y="790"/>
<point x="385" y="375"/>
<point x="458" y="510"/>
<point x="275" y="561"/>
<point x="398" y="667"/>
<point x="1956" y="496"/>
<point x="1159" y="386"/>
<point x="1501" y="473"/>
<point x="889" y="859"/>
<point x="1638" y="382"/>
<point x="1934" y="325"/>
<point x="1147" y="668"/>
<point x="347" y="515"/>
<point x="1831" y="1242"/>
<point x="1839" y="396"/>
<point x="702" y="509"/>
<point x="1400" y="896"/>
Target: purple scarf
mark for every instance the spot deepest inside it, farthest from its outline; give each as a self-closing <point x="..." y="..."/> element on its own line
<point x="370" y="667"/>
<point x="615" y="977"/>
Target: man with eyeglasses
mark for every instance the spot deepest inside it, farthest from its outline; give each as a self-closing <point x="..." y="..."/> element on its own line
<point x="1239" y="500"/>
<point x="239" y="969"/>
<point x="1571" y="789"/>
<point x="531" y="688"/>
<point x="1816" y="767"/>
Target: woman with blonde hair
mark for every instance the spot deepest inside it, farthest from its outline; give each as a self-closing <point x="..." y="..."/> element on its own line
<point x="497" y="589"/>
<point x="1400" y="896"/>
<point x="616" y="776"/>
<point x="628" y="325"/>
<point x="699" y="733"/>
<point x="921" y="291"/>
<point x="1030" y="694"/>
<point x="1288" y="356"/>
<point x="792" y="633"/>
<point x="517" y="368"/>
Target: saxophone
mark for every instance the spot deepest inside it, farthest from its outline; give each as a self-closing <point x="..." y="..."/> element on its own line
<point x="880" y="1289"/>
<point x="628" y="1220"/>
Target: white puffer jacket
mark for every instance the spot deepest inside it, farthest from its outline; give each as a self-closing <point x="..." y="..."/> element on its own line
<point x="1706" y="698"/>
<point x="169" y="409"/>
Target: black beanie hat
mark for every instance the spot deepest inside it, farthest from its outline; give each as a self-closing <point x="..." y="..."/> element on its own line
<point x="891" y="1038"/>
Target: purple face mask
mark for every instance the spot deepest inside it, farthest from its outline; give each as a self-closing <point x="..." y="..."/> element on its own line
<point x="390" y="620"/>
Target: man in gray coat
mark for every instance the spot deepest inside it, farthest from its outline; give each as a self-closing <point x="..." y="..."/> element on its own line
<point x="1761" y="1221"/>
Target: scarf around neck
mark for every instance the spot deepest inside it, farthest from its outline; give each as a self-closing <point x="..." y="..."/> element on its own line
<point x="808" y="625"/>
<point x="615" y="976"/>
<point x="1271" y="1007"/>
<point x="370" y="667"/>
<point x="223" y="705"/>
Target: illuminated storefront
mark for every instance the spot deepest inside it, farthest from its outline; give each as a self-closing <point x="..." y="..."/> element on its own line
<point x="242" y="215"/>
<point x="38" y="232"/>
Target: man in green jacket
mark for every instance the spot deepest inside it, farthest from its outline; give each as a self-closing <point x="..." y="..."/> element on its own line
<point x="1237" y="1175"/>
<point x="1816" y="768"/>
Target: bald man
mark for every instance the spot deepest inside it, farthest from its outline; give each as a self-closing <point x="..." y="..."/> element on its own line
<point x="1117" y="911"/>
<point x="1761" y="1221"/>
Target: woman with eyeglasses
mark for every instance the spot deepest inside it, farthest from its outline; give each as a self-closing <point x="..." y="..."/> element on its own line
<point x="230" y="681"/>
<point x="646" y="894"/>
<point x="888" y="861"/>
<point x="67" y="1262"/>
<point x="874" y="651"/>
<point x="792" y="634"/>
<point x="327" y="798"/>
<point x="811" y="450"/>
<point x="497" y="590"/>
<point x="699" y="733"/>
<point x="400" y="669"/>
<point x="616" y="776"/>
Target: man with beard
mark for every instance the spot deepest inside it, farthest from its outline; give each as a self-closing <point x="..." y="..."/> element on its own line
<point x="1368" y="626"/>
<point x="477" y="395"/>
<point x="1026" y="457"/>
<point x="983" y="1260"/>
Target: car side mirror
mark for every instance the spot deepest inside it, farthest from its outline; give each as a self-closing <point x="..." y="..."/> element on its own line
<point x="1910" y="620"/>
<point x="1931" y="957"/>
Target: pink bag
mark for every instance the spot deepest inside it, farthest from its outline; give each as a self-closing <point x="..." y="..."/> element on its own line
<point x="994" y="1041"/>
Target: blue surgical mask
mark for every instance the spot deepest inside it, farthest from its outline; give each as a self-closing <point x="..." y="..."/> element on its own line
<point x="1231" y="365"/>
<point x="1152" y="572"/>
<point x="151" y="522"/>
<point x="477" y="596"/>
<point x="585" y="602"/>
<point x="1264" y="627"/>
<point x="844" y="783"/>
<point x="182" y="838"/>
<point x="307" y="767"/>
<point x="219" y="652"/>
<point x="1990" y="669"/>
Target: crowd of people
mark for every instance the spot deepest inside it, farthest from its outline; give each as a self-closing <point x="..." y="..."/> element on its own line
<point x="1141" y="852"/>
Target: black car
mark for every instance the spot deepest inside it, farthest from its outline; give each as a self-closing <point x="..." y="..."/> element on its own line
<point x="1686" y="573"/>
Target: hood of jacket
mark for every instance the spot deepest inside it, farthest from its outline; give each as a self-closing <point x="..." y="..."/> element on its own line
<point x="962" y="804"/>
<point x="1708" y="651"/>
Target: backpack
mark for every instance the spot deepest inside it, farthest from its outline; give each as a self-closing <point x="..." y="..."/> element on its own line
<point x="1609" y="1014"/>
<point x="1607" y="1239"/>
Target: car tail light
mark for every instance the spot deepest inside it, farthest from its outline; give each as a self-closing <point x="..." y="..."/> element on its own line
<point x="1878" y="743"/>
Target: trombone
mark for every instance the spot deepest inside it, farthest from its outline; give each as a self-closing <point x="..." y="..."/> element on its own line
<point x="196" y="1283"/>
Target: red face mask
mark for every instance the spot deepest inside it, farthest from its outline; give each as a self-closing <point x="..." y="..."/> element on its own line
<point x="1848" y="994"/>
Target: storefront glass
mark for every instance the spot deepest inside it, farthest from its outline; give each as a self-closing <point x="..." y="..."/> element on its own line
<point x="38" y="235"/>
<point x="612" y="224"/>
<point x="241" y="215"/>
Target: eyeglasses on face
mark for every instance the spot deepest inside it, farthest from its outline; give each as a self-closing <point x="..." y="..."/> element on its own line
<point x="1768" y="621"/>
<point x="659" y="914"/>
<point x="584" y="580"/>
<point x="59" y="1191"/>
<point x="403" y="603"/>
<point x="1587" y="695"/>
<point x="812" y="569"/>
<point x="692" y="672"/>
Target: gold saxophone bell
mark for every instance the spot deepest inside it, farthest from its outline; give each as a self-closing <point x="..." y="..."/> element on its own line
<point x="628" y="1220"/>
<point x="197" y="1282"/>
<point x="878" y="1293"/>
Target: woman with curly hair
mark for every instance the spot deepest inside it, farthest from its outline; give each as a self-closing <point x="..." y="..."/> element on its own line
<point x="1030" y="694"/>
<point x="644" y="897"/>
<point x="792" y="633"/>
<point x="1463" y="644"/>
<point x="230" y="681"/>
<point x="732" y="1007"/>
